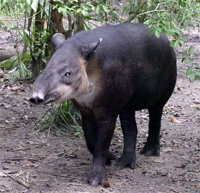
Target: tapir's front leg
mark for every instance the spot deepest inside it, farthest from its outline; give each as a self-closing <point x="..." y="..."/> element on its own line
<point x="106" y="126"/>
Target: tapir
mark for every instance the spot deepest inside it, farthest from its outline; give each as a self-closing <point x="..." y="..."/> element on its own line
<point x="108" y="72"/>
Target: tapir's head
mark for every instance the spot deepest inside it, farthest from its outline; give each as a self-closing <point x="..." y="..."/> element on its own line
<point x="65" y="76"/>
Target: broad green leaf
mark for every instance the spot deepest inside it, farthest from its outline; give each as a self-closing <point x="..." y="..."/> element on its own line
<point x="105" y="8"/>
<point x="84" y="12"/>
<point x="191" y="48"/>
<point x="197" y="74"/>
<point x="189" y="71"/>
<point x="181" y="43"/>
<point x="186" y="60"/>
<point x="152" y="30"/>
<point x="192" y="78"/>
<point x="192" y="55"/>
<point x="98" y="9"/>
<point x="157" y="33"/>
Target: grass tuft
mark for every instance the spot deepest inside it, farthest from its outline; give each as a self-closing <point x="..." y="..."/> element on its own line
<point x="60" y="117"/>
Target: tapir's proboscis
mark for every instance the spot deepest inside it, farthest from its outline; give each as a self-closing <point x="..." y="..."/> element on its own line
<point x="108" y="72"/>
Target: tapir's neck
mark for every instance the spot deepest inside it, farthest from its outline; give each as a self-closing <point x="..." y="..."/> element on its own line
<point x="88" y="98"/>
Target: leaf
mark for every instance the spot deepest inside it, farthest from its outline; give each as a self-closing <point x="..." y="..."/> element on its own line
<point x="157" y="33"/>
<point x="84" y="12"/>
<point x="14" y="88"/>
<point x="98" y="10"/>
<point x="184" y="52"/>
<point x="181" y="43"/>
<point x="194" y="105"/>
<point x="106" y="184"/>
<point x="181" y="166"/>
<point x="185" y="60"/>
<point x="118" y="183"/>
<point x="151" y="32"/>
<point x="192" y="78"/>
<point x="34" y="5"/>
<point x="173" y="42"/>
<point x="189" y="71"/>
<point x="174" y="120"/>
<point x="191" y="48"/>
<point x="105" y="8"/>
<point x="176" y="44"/>
<point x="2" y="174"/>
<point x="1" y="127"/>
<point x="168" y="149"/>
<point x="158" y="160"/>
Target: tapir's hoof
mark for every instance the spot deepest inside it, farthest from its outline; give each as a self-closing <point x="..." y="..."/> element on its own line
<point x="97" y="178"/>
<point x="126" y="161"/>
<point x="151" y="150"/>
<point x="109" y="158"/>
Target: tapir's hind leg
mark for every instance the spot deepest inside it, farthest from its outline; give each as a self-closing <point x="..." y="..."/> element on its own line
<point x="90" y="129"/>
<point x="152" y="146"/>
<point x="129" y="128"/>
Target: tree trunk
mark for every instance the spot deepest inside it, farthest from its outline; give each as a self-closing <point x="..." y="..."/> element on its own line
<point x="38" y="64"/>
<point x="79" y="21"/>
<point x="57" y="20"/>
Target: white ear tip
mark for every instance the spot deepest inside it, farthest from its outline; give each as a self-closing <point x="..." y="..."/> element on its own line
<point x="100" y="39"/>
<point x="57" y="34"/>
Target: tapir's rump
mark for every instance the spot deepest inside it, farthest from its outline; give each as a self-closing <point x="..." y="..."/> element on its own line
<point x="110" y="71"/>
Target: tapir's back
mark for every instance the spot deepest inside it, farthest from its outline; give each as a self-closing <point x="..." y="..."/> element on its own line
<point x="125" y="41"/>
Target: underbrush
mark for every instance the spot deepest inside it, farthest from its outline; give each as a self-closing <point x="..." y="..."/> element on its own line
<point x="62" y="117"/>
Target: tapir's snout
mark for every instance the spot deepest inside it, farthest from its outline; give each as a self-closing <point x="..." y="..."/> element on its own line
<point x="42" y="88"/>
<point x="43" y="97"/>
<point x="37" y="99"/>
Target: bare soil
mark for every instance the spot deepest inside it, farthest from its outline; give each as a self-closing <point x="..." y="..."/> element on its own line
<point x="34" y="161"/>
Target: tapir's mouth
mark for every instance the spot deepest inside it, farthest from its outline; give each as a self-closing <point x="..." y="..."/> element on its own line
<point x="49" y="98"/>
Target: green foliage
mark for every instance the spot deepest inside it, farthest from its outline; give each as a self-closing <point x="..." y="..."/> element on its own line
<point x="64" y="115"/>
<point x="193" y="72"/>
<point x="9" y="63"/>
<point x="92" y="12"/>
<point x="19" y="65"/>
<point x="170" y="17"/>
<point x="11" y="8"/>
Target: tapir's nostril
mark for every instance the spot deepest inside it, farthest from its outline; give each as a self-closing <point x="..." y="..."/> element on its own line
<point x="36" y="100"/>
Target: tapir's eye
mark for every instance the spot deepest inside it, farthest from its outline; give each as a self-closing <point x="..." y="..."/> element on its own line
<point x="68" y="74"/>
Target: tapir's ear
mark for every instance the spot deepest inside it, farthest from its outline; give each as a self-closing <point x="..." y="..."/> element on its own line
<point x="88" y="50"/>
<point x="57" y="40"/>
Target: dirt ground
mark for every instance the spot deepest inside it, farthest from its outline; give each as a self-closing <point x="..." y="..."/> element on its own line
<point x="36" y="162"/>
